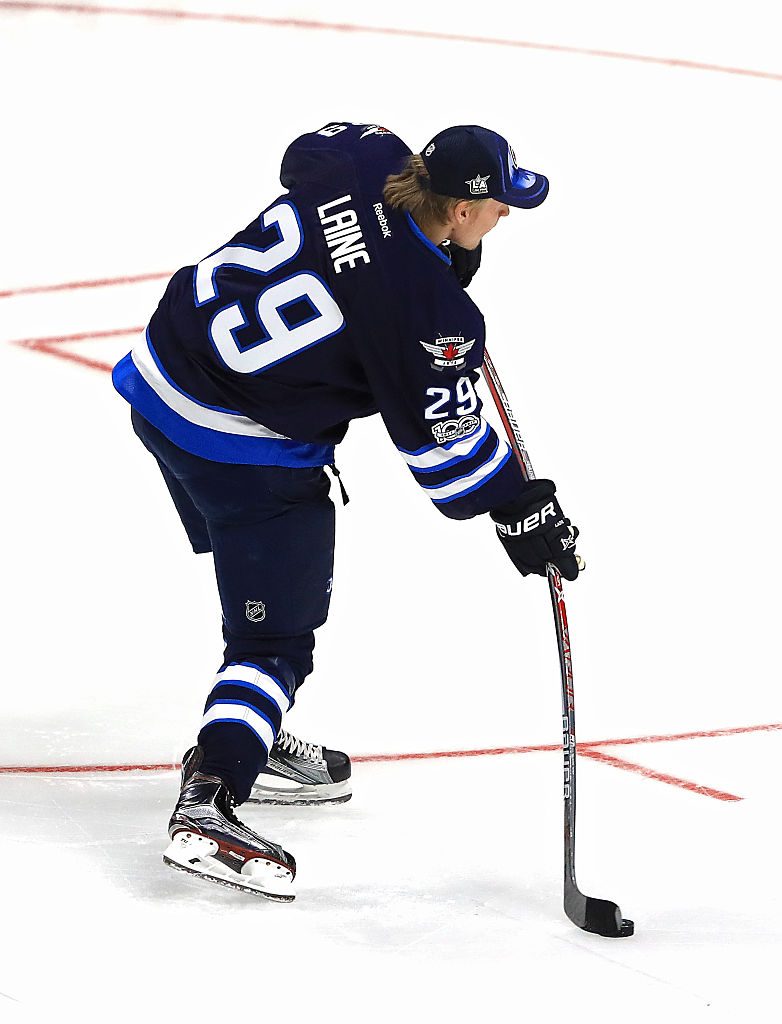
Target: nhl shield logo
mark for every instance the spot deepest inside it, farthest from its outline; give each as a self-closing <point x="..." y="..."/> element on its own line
<point x="255" y="610"/>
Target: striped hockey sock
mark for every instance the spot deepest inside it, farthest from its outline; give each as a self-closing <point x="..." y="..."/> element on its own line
<point x="242" y="716"/>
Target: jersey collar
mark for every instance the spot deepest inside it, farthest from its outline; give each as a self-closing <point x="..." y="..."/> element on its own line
<point x="429" y="244"/>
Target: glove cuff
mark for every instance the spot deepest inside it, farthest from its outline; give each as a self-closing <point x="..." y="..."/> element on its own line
<point x="535" y="492"/>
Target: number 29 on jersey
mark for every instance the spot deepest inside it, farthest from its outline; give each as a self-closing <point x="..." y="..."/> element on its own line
<point x="282" y="339"/>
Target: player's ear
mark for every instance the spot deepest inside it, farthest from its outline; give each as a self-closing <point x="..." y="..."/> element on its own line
<point x="461" y="211"/>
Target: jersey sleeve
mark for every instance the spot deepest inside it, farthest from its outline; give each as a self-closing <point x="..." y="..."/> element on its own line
<point x="424" y="383"/>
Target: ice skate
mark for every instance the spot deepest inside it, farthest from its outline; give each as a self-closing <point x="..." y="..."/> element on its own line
<point x="302" y="773"/>
<point x="209" y="841"/>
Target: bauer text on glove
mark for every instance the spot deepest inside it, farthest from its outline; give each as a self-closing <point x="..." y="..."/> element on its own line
<point x="534" y="531"/>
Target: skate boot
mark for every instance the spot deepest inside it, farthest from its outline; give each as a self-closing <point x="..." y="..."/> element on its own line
<point x="302" y="773"/>
<point x="209" y="841"/>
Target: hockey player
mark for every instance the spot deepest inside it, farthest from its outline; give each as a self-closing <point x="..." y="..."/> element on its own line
<point x="344" y="298"/>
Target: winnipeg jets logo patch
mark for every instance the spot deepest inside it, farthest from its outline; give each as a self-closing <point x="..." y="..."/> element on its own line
<point x="477" y="185"/>
<point x="449" y="353"/>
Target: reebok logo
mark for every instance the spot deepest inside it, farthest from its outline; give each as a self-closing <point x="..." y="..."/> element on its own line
<point x="382" y="220"/>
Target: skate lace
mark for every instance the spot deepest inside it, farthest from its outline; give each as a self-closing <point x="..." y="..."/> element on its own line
<point x="230" y="808"/>
<point x="299" y="748"/>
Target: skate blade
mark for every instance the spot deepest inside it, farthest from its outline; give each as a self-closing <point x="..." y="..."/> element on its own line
<point x="302" y="796"/>
<point x="193" y="853"/>
<point x="275" y="897"/>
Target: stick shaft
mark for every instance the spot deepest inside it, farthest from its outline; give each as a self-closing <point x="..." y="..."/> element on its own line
<point x="556" y="592"/>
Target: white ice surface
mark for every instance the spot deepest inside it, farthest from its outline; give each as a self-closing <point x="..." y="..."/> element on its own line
<point x="634" y="319"/>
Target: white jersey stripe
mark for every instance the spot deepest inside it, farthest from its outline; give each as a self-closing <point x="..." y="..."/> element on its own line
<point x="229" y="712"/>
<point x="258" y="680"/>
<point x="436" y="457"/>
<point x="468" y="483"/>
<point x="188" y="408"/>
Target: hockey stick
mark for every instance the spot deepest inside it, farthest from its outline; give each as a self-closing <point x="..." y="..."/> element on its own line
<point x="593" y="915"/>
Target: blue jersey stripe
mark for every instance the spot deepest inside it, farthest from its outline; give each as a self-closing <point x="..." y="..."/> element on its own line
<point x="459" y="486"/>
<point x="206" y="442"/>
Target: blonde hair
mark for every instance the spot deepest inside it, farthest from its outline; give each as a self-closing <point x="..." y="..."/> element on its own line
<point x="410" y="190"/>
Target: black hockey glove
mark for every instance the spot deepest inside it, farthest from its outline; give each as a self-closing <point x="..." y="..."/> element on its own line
<point x="534" y="531"/>
<point x="465" y="262"/>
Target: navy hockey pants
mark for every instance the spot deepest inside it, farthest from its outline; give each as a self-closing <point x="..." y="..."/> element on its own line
<point x="271" y="532"/>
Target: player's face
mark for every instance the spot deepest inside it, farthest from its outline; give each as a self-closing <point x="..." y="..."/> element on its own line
<point x="474" y="220"/>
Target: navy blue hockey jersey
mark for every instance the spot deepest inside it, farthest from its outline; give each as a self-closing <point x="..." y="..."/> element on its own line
<point x="330" y="306"/>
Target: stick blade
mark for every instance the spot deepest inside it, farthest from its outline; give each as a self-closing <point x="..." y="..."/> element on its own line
<point x="605" y="918"/>
<point x="600" y="917"/>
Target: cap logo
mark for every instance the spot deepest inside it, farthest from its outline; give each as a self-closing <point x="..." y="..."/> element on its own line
<point x="429" y="150"/>
<point x="375" y="129"/>
<point x="477" y="185"/>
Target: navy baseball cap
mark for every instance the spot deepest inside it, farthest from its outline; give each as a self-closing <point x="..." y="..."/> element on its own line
<point x="470" y="162"/>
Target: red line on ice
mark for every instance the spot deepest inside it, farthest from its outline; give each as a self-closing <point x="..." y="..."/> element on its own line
<point x="586" y="749"/>
<point x="58" y="339"/>
<point x="649" y="773"/>
<point x="357" y="759"/>
<point x="73" y="769"/>
<point x="409" y="33"/>
<point x="51" y="346"/>
<point x="105" y="282"/>
<point x="685" y="735"/>
<point x="435" y="754"/>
